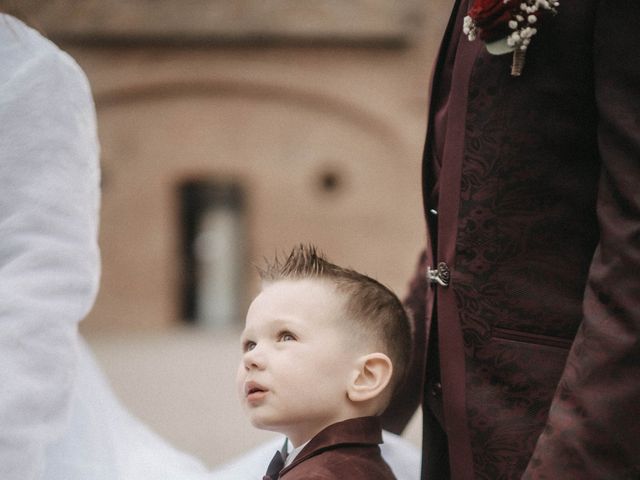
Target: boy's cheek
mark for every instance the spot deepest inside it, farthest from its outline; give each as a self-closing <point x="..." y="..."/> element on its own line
<point x="240" y="376"/>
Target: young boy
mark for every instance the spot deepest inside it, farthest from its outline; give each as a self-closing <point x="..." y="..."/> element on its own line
<point x="324" y="348"/>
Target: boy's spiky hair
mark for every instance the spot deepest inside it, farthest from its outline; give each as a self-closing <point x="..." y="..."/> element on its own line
<point x="375" y="310"/>
<point x="304" y="261"/>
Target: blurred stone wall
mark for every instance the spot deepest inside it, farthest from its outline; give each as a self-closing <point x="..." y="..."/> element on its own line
<point x="230" y="20"/>
<point x="316" y="109"/>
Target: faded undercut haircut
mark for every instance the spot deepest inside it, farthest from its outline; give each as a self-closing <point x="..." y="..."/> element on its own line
<point x="374" y="309"/>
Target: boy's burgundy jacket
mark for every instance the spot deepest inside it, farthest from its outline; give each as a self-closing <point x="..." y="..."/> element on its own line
<point x="344" y="450"/>
<point x="538" y="224"/>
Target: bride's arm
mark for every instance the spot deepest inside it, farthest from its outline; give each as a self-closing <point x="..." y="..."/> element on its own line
<point x="49" y="259"/>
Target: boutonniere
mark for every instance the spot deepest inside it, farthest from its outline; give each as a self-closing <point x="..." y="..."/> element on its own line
<point x="507" y="25"/>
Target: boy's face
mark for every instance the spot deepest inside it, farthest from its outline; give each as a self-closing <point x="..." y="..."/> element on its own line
<point x="297" y="359"/>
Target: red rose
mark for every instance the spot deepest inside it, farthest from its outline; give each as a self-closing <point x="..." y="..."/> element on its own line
<point x="491" y="18"/>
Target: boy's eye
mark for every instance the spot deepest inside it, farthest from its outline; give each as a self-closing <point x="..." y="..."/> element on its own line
<point x="287" y="337"/>
<point x="248" y="346"/>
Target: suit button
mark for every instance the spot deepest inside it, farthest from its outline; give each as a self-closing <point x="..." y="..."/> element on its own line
<point x="436" y="390"/>
<point x="433" y="212"/>
<point x="440" y="275"/>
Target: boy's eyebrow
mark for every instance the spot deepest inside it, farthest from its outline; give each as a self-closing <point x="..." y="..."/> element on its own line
<point x="276" y="323"/>
<point x="243" y="335"/>
<point x="286" y="322"/>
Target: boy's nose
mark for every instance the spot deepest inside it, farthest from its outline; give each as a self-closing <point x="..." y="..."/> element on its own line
<point x="253" y="359"/>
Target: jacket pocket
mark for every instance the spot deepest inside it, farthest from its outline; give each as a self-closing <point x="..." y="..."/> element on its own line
<point x="533" y="338"/>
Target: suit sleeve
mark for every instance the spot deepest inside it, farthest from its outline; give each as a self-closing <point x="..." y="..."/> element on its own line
<point x="407" y="398"/>
<point x="593" y="431"/>
<point x="49" y="259"/>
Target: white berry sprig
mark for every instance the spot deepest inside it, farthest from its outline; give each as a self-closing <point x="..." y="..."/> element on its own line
<point x="522" y="25"/>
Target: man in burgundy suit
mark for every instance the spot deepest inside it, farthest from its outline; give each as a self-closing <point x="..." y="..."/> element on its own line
<point x="527" y="297"/>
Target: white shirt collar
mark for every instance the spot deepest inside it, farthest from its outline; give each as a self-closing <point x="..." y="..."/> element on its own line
<point x="293" y="453"/>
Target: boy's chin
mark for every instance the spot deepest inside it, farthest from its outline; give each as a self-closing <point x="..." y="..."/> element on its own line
<point x="262" y="423"/>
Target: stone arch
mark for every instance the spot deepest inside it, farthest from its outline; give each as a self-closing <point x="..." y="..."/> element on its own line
<point x="256" y="91"/>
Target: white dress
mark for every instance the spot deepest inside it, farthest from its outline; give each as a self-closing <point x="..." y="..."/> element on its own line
<point x="59" y="419"/>
<point x="49" y="259"/>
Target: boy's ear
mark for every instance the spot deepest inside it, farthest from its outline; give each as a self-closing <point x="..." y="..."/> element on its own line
<point x="370" y="378"/>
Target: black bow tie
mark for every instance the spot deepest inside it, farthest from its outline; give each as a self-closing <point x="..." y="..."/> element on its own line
<point x="276" y="464"/>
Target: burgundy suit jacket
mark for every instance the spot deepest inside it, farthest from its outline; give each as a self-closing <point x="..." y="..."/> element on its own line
<point x="344" y="450"/>
<point x="538" y="224"/>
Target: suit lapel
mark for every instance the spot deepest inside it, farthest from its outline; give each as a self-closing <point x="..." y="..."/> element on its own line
<point x="451" y="341"/>
<point x="361" y="431"/>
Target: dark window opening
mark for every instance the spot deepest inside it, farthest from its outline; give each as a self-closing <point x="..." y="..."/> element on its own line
<point x="213" y="252"/>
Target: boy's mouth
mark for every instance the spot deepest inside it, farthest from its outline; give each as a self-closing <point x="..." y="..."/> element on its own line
<point x="253" y="389"/>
